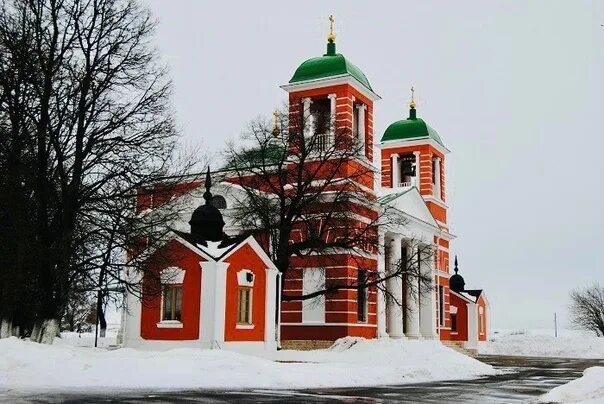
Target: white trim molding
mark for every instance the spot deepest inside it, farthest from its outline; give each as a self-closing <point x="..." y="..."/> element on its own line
<point x="332" y="81"/>
<point x="169" y="324"/>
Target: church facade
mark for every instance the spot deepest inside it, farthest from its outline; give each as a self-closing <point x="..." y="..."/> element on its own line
<point x="223" y="282"/>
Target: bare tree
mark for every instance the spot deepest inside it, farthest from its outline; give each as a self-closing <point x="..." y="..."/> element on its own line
<point x="86" y="103"/>
<point x="587" y="309"/>
<point x="307" y="196"/>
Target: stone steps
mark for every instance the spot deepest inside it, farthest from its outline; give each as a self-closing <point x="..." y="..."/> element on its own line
<point x="458" y="346"/>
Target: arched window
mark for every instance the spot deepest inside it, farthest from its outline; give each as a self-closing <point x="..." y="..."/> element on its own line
<point x="219" y="202"/>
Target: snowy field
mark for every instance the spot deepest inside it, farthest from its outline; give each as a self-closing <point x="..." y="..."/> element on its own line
<point x="568" y="344"/>
<point x="588" y="389"/>
<point x="26" y="366"/>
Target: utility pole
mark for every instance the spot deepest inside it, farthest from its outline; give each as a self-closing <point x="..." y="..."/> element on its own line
<point x="555" y="326"/>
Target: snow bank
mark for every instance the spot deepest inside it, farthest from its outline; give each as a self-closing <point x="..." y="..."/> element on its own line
<point x="26" y="365"/>
<point x="587" y="389"/>
<point x="568" y="344"/>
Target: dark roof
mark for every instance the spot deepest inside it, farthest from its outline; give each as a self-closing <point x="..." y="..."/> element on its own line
<point x="474" y="292"/>
<point x="226" y="245"/>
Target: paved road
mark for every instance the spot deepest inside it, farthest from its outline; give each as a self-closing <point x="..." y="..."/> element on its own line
<point x="522" y="381"/>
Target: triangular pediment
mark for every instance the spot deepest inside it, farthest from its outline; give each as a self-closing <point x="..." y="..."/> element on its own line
<point x="410" y="202"/>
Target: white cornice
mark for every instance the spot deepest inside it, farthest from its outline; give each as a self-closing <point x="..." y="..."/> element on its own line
<point x="414" y="142"/>
<point x="332" y="81"/>
<point x="437" y="201"/>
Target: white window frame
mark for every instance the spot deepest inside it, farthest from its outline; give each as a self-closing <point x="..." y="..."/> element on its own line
<point x="171" y="276"/>
<point x="313" y="310"/>
<point x="250" y="325"/>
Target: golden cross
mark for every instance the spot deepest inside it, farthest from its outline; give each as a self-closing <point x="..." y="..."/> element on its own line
<point x="412" y="103"/>
<point x="331" y="20"/>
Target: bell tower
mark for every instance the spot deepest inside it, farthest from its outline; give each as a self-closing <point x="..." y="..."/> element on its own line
<point x="413" y="155"/>
<point x="333" y="100"/>
<point x="328" y="94"/>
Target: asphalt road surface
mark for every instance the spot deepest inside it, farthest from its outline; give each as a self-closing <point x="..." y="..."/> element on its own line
<point x="522" y="380"/>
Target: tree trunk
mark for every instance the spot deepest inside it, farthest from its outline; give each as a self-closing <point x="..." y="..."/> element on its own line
<point x="35" y="332"/>
<point x="50" y="330"/>
<point x="101" y="314"/>
<point x="6" y="326"/>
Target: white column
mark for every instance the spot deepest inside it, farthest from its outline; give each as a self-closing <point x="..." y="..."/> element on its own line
<point x="427" y="300"/>
<point x="361" y="127"/>
<point x="412" y="307"/>
<point x="213" y="303"/>
<point x="132" y="315"/>
<point x="381" y="303"/>
<point x="270" y="306"/>
<point x="332" y="117"/>
<point x="396" y="172"/>
<point x="437" y="178"/>
<point x="308" y="124"/>
<point x="417" y="170"/>
<point x="395" y="290"/>
<point x="279" y="298"/>
<point x="472" y="326"/>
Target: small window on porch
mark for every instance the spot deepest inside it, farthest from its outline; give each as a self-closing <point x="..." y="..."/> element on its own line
<point x="362" y="296"/>
<point x="244" y="306"/>
<point x="219" y="202"/>
<point x="171" y="303"/>
<point x="453" y="322"/>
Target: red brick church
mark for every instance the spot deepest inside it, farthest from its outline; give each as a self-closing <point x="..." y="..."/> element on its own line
<point x="222" y="290"/>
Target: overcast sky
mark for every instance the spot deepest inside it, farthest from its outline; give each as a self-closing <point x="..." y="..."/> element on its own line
<point x="515" y="90"/>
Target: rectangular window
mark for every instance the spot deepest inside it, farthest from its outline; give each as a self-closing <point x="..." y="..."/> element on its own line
<point x="482" y="324"/>
<point x="441" y="305"/>
<point x="172" y="303"/>
<point x="453" y="322"/>
<point x="362" y="296"/>
<point x="313" y="310"/>
<point x="434" y="161"/>
<point x="320" y="110"/>
<point x="244" y="306"/>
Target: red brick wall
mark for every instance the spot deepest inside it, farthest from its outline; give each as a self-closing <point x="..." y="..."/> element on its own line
<point x="245" y="258"/>
<point x="187" y="260"/>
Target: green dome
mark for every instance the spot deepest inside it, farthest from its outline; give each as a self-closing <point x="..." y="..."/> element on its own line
<point x="329" y="65"/>
<point x="411" y="129"/>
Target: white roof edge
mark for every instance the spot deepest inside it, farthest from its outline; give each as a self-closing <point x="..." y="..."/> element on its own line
<point x="257" y="249"/>
<point x="413" y="142"/>
<point x="345" y="78"/>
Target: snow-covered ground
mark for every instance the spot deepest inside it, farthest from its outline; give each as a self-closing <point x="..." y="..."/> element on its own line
<point x="86" y="339"/>
<point x="353" y="362"/>
<point x="587" y="389"/>
<point x="568" y="344"/>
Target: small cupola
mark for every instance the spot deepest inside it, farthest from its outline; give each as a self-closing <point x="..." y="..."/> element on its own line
<point x="456" y="282"/>
<point x="206" y="221"/>
<point x="330" y="65"/>
<point x="412" y="128"/>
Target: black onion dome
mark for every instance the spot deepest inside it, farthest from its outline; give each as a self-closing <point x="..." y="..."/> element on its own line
<point x="206" y="221"/>
<point x="456" y="282"/>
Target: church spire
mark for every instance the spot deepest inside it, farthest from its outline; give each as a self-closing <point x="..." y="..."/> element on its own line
<point x="331" y="38"/>
<point x="412" y="104"/>
<point x="208" y="195"/>
<point x="455" y="268"/>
